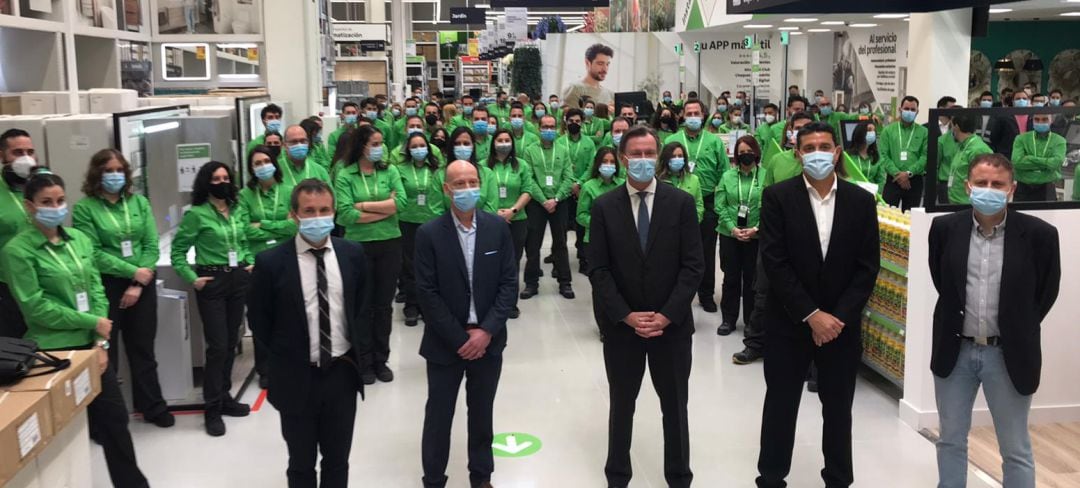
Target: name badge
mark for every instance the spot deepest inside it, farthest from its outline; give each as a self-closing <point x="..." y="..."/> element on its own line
<point x="692" y="165"/>
<point x="233" y="259"/>
<point x="421" y="199"/>
<point x="550" y="180"/>
<point x="126" y="250"/>
<point x="82" y="301"/>
<point x="743" y="211"/>
<point x="903" y="155"/>
<point x="502" y="191"/>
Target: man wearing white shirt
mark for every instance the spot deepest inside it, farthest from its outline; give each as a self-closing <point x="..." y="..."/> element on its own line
<point x="819" y="250"/>
<point x="306" y="306"/>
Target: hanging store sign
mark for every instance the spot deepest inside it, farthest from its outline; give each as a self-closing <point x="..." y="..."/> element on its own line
<point x="358" y="32"/>
<point x="462" y="16"/>
<point x="548" y="3"/>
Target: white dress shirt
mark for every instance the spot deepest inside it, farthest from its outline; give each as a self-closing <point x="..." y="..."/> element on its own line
<point x="824" y="211"/>
<point x="309" y="287"/>
<point x="635" y="200"/>
<point x="467" y="239"/>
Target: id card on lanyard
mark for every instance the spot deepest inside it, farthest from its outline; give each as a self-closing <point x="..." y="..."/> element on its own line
<point x="234" y="255"/>
<point x="421" y="195"/>
<point x="503" y="190"/>
<point x="744" y="203"/>
<point x="549" y="180"/>
<point x="82" y="296"/>
<point x="126" y="248"/>
<point x="694" y="155"/>
<point x="903" y="148"/>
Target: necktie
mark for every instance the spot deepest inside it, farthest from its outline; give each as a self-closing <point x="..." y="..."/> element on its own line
<point x="325" y="344"/>
<point x="643" y="221"/>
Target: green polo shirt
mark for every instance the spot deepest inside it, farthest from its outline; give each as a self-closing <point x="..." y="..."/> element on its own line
<point x="13" y="217"/>
<point x="764" y="134"/>
<point x="256" y="142"/>
<point x="318" y="153"/>
<point x="1037" y="158"/>
<point x="958" y="169"/>
<point x="423" y="193"/>
<point x="516" y="182"/>
<point x="482" y="147"/>
<point x="400" y="155"/>
<point x="527" y="140"/>
<point x="213" y="236"/>
<point x="590" y="191"/>
<point x="110" y="225"/>
<point x="735" y="190"/>
<point x="46" y="280"/>
<point x="835" y="118"/>
<point x="895" y="140"/>
<point x="291" y="175"/>
<point x="596" y="128"/>
<point x="552" y="169"/>
<point x="782" y="167"/>
<point x="489" y="195"/>
<point x="690" y="183"/>
<point x="269" y="209"/>
<point x="706" y="157"/>
<point x="582" y="152"/>
<point x="947" y="148"/>
<point x="352" y="187"/>
<point x="867" y="168"/>
<point x="728" y="128"/>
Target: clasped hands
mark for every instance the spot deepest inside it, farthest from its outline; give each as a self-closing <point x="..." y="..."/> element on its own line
<point x="476" y="346"/>
<point x="825" y="327"/>
<point x="647" y="324"/>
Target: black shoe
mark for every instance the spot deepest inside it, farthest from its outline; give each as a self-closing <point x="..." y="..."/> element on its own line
<point x="566" y="291"/>
<point x="708" y="304"/>
<point x="725" y="328"/>
<point x="235" y="409"/>
<point x="368" y="377"/>
<point x="214" y="425"/>
<point x="529" y="292"/>
<point x="746" y="356"/>
<point x="383" y="373"/>
<point x="400" y="297"/>
<point x="412" y="317"/>
<point x="264" y="382"/>
<point x="811" y="386"/>
<point x="549" y="259"/>
<point x="515" y="313"/>
<point x="163" y="420"/>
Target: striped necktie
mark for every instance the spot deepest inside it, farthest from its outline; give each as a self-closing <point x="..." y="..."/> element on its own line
<point x="325" y="344"/>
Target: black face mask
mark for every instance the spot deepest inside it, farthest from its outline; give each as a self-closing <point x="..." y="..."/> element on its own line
<point x="667" y="122"/>
<point x="13" y="180"/>
<point x="441" y="143"/>
<point x="573" y="129"/>
<point x="431" y="119"/>
<point x="631" y="120"/>
<point x="275" y="151"/>
<point x="223" y="191"/>
<point x="746" y="159"/>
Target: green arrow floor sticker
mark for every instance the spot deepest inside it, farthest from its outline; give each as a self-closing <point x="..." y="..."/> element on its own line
<point x="515" y="445"/>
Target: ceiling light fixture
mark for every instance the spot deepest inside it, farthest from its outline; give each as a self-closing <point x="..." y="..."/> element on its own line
<point x="833" y="22"/>
<point x="863" y="25"/>
<point x="796" y="33"/>
<point x="1071" y="14"/>
<point x="800" y="19"/>
<point x="819" y="30"/>
<point x="1000" y="10"/>
<point x="789" y="28"/>
<point x="758" y="26"/>
<point x="890" y="16"/>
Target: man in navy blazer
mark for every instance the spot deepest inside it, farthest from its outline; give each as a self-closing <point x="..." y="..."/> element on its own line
<point x="306" y="307"/>
<point x="466" y="281"/>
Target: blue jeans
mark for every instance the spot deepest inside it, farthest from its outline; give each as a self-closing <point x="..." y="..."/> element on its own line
<point x="1009" y="409"/>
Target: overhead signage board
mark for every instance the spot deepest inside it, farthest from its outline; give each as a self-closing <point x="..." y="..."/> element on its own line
<point x="358" y="32"/>
<point x="517" y="23"/>
<point x="463" y="16"/>
<point x="847" y="6"/>
<point x="549" y="3"/>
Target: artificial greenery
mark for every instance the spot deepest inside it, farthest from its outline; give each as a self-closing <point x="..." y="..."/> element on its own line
<point x="526" y="71"/>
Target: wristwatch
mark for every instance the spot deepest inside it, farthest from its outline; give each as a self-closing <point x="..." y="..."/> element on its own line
<point x="102" y="343"/>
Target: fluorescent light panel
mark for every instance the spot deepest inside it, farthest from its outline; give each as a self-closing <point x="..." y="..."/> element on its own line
<point x="819" y="30"/>
<point x="1071" y="14"/>
<point x="758" y="26"/>
<point x="789" y="28"/>
<point x="890" y="16"/>
<point x="833" y="22"/>
<point x="800" y="19"/>
<point x="1000" y="10"/>
<point x="863" y="25"/>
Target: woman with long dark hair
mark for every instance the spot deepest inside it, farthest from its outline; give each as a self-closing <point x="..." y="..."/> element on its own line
<point x="672" y="169"/>
<point x="419" y="168"/>
<point x="738" y="204"/>
<point x="215" y="225"/>
<point x="462" y="147"/>
<point x="514" y="187"/>
<point x="604" y="176"/>
<point x="863" y="159"/>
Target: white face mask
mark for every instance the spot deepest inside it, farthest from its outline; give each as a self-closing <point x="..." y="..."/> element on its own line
<point x="22" y="166"/>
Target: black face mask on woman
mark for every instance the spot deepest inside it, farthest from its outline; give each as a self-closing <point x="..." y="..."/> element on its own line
<point x="223" y="191"/>
<point x="746" y="159"/>
<point x="431" y="119"/>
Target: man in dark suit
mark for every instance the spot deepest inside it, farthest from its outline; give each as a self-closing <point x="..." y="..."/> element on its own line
<point x="306" y="306"/>
<point x="1005" y="128"/>
<point x="466" y="280"/>
<point x="997" y="273"/>
<point x="819" y="249"/>
<point x="646" y="264"/>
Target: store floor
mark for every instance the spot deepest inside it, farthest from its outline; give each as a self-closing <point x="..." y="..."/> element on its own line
<point x="553" y="386"/>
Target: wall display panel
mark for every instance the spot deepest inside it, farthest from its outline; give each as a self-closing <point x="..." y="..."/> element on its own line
<point x="870" y="65"/>
<point x="1047" y="42"/>
<point x="209" y="16"/>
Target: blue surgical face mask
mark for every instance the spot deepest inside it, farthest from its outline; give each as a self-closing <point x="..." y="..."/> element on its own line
<point x="265" y="172"/>
<point x="908" y="115"/>
<point x="818" y="164"/>
<point x="540" y="112"/>
<point x="113" y="182"/>
<point x="676" y="164"/>
<point x="351" y="119"/>
<point x="315" y="229"/>
<point x="1022" y="103"/>
<point x="616" y="138"/>
<point x="717" y="122"/>
<point x="414" y="130"/>
<point x="871" y="137"/>
<point x="273" y="126"/>
<point x="547" y="135"/>
<point x="298" y="151"/>
<point x="317" y="139"/>
<point x="738" y="102"/>
<point x="988" y="201"/>
<point x="607" y="170"/>
<point x="667" y="99"/>
<point x="466" y="200"/>
<point x="463" y="152"/>
<point x="375" y="154"/>
<point x="517" y="122"/>
<point x="1041" y="128"/>
<point x="693" y="123"/>
<point x="554" y="105"/>
<point x="986" y="103"/>
<point x="642" y="170"/>
<point x="1039" y="104"/>
<point x="589" y="112"/>
<point x="419" y="153"/>
<point x="396" y="112"/>
<point x="51" y="217"/>
<point x="480" y="126"/>
<point x="1055" y="102"/>
<point x="371" y="115"/>
<point x="721" y="108"/>
<point x="492" y="128"/>
<point x="410" y="111"/>
<point x="864" y="110"/>
<point x="467" y="109"/>
<point x="826" y="110"/>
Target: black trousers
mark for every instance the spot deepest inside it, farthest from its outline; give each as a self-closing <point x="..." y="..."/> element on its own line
<point x="12" y="323"/>
<point x="538" y="220"/>
<point x="482" y="380"/>
<point x="738" y="260"/>
<point x="942" y="192"/>
<point x="407" y="280"/>
<point x="669" y="367"/>
<point x="137" y="325"/>
<point x="221" y="307"/>
<point x="107" y="417"/>
<point x="899" y="197"/>
<point x="1035" y="193"/>
<point x="384" y="264"/>
<point x="755" y="329"/>
<point x="709" y="221"/>
<point x="325" y="426"/>
<point x="787" y="358"/>
<point x="579" y="231"/>
<point x="262" y="359"/>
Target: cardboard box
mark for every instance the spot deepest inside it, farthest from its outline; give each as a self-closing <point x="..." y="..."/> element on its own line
<point x="25" y="428"/>
<point x="70" y="390"/>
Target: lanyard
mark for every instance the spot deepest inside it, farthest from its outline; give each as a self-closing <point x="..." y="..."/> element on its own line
<point x="548" y="169"/>
<point x="127" y="218"/>
<point x="416" y="179"/>
<point x="1035" y="147"/>
<point x="232" y="226"/>
<point x="864" y="166"/>
<point x="753" y="180"/>
<point x="367" y="189"/>
<point x="75" y="259"/>
<point x="687" y="141"/>
<point x="19" y="205"/>
<point x="900" y="136"/>
<point x="577" y="148"/>
<point x="503" y="181"/>
<point x="262" y="208"/>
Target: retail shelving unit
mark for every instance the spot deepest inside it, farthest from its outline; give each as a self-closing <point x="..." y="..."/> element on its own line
<point x="474" y="74"/>
<point x="884" y="320"/>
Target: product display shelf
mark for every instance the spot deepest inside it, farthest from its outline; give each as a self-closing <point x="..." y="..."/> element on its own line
<point x="884" y="320"/>
<point x="473" y="73"/>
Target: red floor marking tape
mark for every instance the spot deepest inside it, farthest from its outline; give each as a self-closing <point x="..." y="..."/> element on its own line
<point x="259" y="401"/>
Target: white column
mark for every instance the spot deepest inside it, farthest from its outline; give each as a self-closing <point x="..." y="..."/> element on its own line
<point x="819" y="67"/>
<point x="401" y="20"/>
<point x="292" y="57"/>
<point x="939" y="57"/>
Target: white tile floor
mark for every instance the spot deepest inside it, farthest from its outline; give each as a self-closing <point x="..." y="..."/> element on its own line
<point x="553" y="386"/>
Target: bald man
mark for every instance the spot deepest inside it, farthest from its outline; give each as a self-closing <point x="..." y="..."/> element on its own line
<point x="293" y="160"/>
<point x="465" y="330"/>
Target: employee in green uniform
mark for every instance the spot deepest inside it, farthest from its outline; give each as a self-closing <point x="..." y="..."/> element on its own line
<point x="556" y="109"/>
<point x="831" y="116"/>
<point x="594" y="127"/>
<point x="673" y="171"/>
<point x="423" y="202"/>
<point x="968" y="146"/>
<point x="946" y="145"/>
<point x="275" y="141"/>
<point x="523" y="138"/>
<point x="718" y="117"/>
<point x="602" y="177"/>
<point x="785" y="165"/>
<point x="903" y="149"/>
<point x="369" y="193"/>
<point x="350" y="115"/>
<point x="581" y="150"/>
<point x="863" y="157"/>
<point x="501" y="108"/>
<point x="734" y="122"/>
<point x="619" y="126"/>
<point x="738" y="203"/>
<point x="215" y="225"/>
<point x="370" y="113"/>
<point x="763" y="134"/>
<point x="411" y="108"/>
<point x="296" y="163"/>
<point x="465" y="118"/>
<point x="707" y="158"/>
<point x="19" y="158"/>
<point x="1037" y="156"/>
<point x="433" y="119"/>
<point x="271" y="120"/>
<point x="554" y="174"/>
<point x="121" y="227"/>
<point x="464" y="148"/>
<point x="481" y="135"/>
<point x="317" y="152"/>
<point x="54" y="278"/>
<point x="516" y="187"/>
<point x="780" y="136"/>
<point x="539" y="110"/>
<point x="665" y="123"/>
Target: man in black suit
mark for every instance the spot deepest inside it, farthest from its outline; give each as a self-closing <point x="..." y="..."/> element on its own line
<point x="646" y="264"/>
<point x="306" y="306"/>
<point x="1005" y="128"/>
<point x="466" y="280"/>
<point x="819" y="249"/>
<point x="997" y="273"/>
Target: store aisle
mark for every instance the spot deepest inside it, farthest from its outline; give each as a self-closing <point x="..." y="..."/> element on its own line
<point x="553" y="387"/>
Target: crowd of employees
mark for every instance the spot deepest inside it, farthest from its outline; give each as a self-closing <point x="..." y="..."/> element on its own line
<point x="434" y="203"/>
